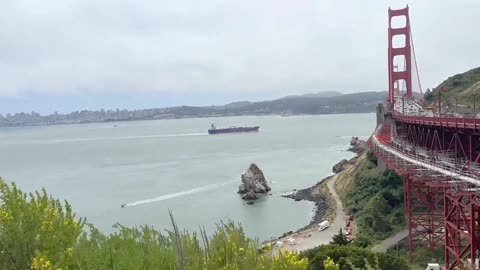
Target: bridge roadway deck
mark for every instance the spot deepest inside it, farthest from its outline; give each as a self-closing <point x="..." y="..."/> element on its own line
<point x="424" y="164"/>
<point x="450" y="122"/>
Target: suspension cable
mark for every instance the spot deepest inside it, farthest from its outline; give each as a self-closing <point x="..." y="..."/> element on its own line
<point x="415" y="60"/>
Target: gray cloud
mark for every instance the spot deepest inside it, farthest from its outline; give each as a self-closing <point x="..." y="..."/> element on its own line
<point x="77" y="46"/>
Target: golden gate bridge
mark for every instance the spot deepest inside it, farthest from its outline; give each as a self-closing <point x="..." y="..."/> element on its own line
<point x="438" y="155"/>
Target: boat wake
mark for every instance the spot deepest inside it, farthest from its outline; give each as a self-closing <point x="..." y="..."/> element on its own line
<point x="180" y="194"/>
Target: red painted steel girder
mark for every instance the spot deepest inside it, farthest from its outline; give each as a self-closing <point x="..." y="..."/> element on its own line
<point x="424" y="215"/>
<point x="445" y="122"/>
<point x="460" y="147"/>
<point x="425" y="203"/>
<point x="462" y="238"/>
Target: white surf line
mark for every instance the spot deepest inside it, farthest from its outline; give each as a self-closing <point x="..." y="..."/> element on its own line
<point x="180" y="194"/>
<point x="426" y="165"/>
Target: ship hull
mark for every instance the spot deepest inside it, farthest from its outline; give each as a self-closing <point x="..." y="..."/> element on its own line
<point x="233" y="130"/>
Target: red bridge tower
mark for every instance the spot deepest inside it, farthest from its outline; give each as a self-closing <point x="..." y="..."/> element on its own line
<point x="395" y="75"/>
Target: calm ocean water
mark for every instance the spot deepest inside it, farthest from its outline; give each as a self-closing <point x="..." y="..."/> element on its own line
<point x="157" y="166"/>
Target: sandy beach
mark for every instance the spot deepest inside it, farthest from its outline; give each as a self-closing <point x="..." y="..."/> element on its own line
<point x="310" y="237"/>
<point x="326" y="201"/>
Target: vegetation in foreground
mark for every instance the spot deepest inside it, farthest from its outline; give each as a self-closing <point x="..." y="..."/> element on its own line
<point x="351" y="257"/>
<point x="40" y="233"/>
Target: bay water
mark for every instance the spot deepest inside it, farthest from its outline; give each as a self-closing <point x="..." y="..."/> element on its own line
<point x="156" y="166"/>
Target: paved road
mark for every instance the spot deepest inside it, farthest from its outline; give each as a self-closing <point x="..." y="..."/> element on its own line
<point x="390" y="242"/>
<point x="313" y="238"/>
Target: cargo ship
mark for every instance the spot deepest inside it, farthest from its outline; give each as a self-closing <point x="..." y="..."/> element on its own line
<point x="232" y="129"/>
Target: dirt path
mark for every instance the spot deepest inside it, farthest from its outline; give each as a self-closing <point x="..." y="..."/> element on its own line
<point x="311" y="238"/>
<point x="390" y="242"/>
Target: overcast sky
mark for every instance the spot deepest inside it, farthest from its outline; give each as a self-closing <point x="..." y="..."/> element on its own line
<point x="191" y="51"/>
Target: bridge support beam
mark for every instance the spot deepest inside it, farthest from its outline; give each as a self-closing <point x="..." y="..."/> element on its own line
<point x="462" y="238"/>
<point x="424" y="207"/>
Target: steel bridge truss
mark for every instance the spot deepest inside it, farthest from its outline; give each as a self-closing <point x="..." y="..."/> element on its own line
<point x="441" y="185"/>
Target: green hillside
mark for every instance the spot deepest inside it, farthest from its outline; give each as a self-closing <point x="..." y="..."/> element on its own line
<point x="462" y="86"/>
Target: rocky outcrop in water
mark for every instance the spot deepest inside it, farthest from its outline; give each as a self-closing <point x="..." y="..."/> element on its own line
<point x="354" y="141"/>
<point x="250" y="195"/>
<point x="357" y="145"/>
<point x="253" y="181"/>
<point x="340" y="166"/>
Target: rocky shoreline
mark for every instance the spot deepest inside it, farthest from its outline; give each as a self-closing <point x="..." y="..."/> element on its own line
<point x="323" y="202"/>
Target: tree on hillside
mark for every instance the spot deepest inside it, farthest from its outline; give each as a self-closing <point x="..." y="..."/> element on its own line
<point x="428" y="95"/>
<point x="340" y="239"/>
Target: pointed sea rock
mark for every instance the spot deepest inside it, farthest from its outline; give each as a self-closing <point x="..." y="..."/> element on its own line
<point x="253" y="181"/>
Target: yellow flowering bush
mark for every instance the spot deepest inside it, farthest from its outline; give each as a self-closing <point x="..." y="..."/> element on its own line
<point x="40" y="233"/>
<point x="42" y="263"/>
<point x="329" y="264"/>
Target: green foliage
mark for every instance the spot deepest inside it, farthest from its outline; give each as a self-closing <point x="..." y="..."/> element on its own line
<point x="362" y="240"/>
<point x="329" y="264"/>
<point x="40" y="233"/>
<point x="352" y="258"/>
<point x="462" y="86"/>
<point x="340" y="239"/>
<point x="34" y="227"/>
<point x="376" y="200"/>
<point x="372" y="158"/>
<point x="429" y="95"/>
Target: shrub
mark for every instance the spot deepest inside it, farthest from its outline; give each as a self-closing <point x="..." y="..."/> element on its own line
<point x="40" y="233"/>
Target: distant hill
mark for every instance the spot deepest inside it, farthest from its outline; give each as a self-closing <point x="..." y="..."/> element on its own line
<point x="304" y="104"/>
<point x="319" y="103"/>
<point x="323" y="94"/>
<point x="319" y="94"/>
<point x="462" y="86"/>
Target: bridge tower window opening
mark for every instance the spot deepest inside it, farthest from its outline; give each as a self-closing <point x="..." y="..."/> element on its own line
<point x="398" y="22"/>
<point x="399" y="41"/>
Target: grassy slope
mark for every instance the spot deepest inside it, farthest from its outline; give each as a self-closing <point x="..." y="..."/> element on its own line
<point x="462" y="86"/>
<point x="373" y="197"/>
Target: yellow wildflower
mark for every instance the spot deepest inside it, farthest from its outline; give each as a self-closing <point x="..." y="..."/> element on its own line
<point x="70" y="252"/>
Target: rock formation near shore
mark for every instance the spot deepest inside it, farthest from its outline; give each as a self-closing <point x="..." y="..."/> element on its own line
<point x="253" y="181"/>
<point x="357" y="145"/>
<point x="354" y="141"/>
<point x="340" y="166"/>
<point x="250" y="195"/>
